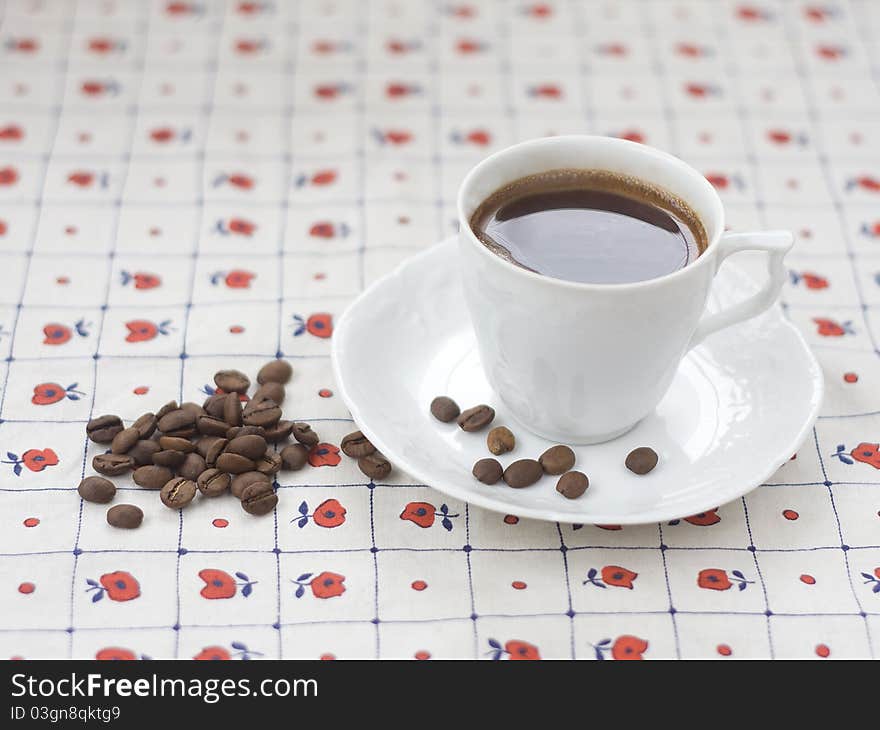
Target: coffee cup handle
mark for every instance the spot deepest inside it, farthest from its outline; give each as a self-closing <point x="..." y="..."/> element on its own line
<point x="776" y="244"/>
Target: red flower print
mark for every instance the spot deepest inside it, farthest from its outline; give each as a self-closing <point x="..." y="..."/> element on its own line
<point x="11" y="133"/>
<point x="700" y="91"/>
<point x="330" y="513"/>
<point x="241" y="226"/>
<point x="467" y="46"/>
<point x="396" y="90"/>
<point x="235" y="279"/>
<point x="539" y="10"/>
<point x="141" y="330"/>
<point x="715" y="579"/>
<point x="323" y="585"/>
<point x="324" y="455"/>
<point x="48" y="393"/>
<point x="115" y="653"/>
<point x="704" y="519"/>
<point x="320" y="325"/>
<point x="33" y="459"/>
<point x="119" y="586"/>
<point x="830" y="328"/>
<point x="751" y="14"/>
<point x="823" y="651"/>
<point x="865" y="453"/>
<point x="515" y="649"/>
<point x="811" y="281"/>
<point x="56" y="334"/>
<point x="212" y="653"/>
<point x="236" y="179"/>
<point x="545" y="91"/>
<point x="628" y="648"/>
<point x="162" y="134"/>
<point x="421" y="513"/>
<point x="8" y="176"/>
<point x="142" y="280"/>
<point x="611" y="575"/>
<point x="26" y="588"/>
<point x="219" y="584"/>
<point x="322" y="230"/>
<point x="865" y="182"/>
<point x="23" y="45"/>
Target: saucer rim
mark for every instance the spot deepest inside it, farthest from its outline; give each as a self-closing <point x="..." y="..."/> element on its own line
<point x="545" y="514"/>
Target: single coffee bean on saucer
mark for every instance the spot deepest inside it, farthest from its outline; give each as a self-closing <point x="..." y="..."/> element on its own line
<point x="444" y="409"/>
<point x="232" y="409"/>
<point x="124" y="440"/>
<point x="572" y="484"/>
<point x="126" y="516"/>
<point x="269" y="391"/>
<point x="277" y="371"/>
<point x="356" y="445"/>
<point x="176" y="421"/>
<point x="97" y="490"/>
<point x="276" y="434"/>
<point x="170" y="458"/>
<point x="193" y="465"/>
<point x="641" y="460"/>
<point x="266" y="413"/>
<point x="210" y="447"/>
<point x="259" y="498"/>
<point x="234" y="463"/>
<point x="143" y="450"/>
<point x="374" y="466"/>
<point x="213" y="405"/>
<point x="176" y="443"/>
<point x="177" y="493"/>
<point x="240" y="481"/>
<point x="236" y="431"/>
<point x="210" y="426"/>
<point x="152" y="477"/>
<point x="213" y="482"/>
<point x="523" y="473"/>
<point x="557" y="460"/>
<point x="112" y="465"/>
<point x="303" y="433"/>
<point x="166" y="409"/>
<point x="473" y="419"/>
<point x="269" y="463"/>
<point x="253" y="447"/>
<point x="145" y="425"/>
<point x="102" y="429"/>
<point x="232" y="381"/>
<point x="294" y="457"/>
<point x="488" y="471"/>
<point x="500" y="440"/>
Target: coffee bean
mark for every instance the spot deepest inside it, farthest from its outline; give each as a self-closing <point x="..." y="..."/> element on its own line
<point x="557" y="460"/>
<point x="97" y="489"/>
<point x="500" y="440"/>
<point x="303" y="433"/>
<point x="277" y="371"/>
<point x="193" y="408"/>
<point x="213" y="405"/>
<point x="279" y="432"/>
<point x="213" y="482"/>
<point x="523" y="473"/>
<point x="183" y="433"/>
<point x="142" y="452"/>
<point x="266" y="413"/>
<point x="102" y="429"/>
<point x="145" y="425"/>
<point x="176" y="421"/>
<point x="234" y="463"/>
<point x="232" y="381"/>
<point x="572" y="484"/>
<point x="210" y="447"/>
<point x="124" y="440"/>
<point x="269" y="391"/>
<point x="473" y="419"/>
<point x="126" y="516"/>
<point x="210" y="426"/>
<point x="175" y="443"/>
<point x="192" y="466"/>
<point x="166" y="409"/>
<point x="444" y="409"/>
<point x="374" y="465"/>
<point x="178" y="492"/>
<point x="294" y="457"/>
<point x="253" y="447"/>
<point x="488" y="471"/>
<point x="259" y="499"/>
<point x="236" y="431"/>
<point x="171" y="459"/>
<point x="152" y="477"/>
<point x="641" y="460"/>
<point x="356" y="445"/>
<point x="112" y="465"/>
<point x="232" y="409"/>
<point x="269" y="463"/>
<point x="240" y="481"/>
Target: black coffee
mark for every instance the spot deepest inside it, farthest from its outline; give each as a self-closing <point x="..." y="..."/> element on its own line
<point x="590" y="226"/>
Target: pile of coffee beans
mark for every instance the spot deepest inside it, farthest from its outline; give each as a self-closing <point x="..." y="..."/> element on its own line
<point x="220" y="446"/>
<point x="556" y="461"/>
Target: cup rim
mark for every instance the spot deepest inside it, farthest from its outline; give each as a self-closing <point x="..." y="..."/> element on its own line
<point x="702" y="260"/>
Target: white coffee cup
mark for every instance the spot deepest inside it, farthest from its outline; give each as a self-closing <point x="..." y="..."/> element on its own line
<point x="584" y="363"/>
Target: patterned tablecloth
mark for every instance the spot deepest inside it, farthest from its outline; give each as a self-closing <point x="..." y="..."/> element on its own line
<point x="190" y="185"/>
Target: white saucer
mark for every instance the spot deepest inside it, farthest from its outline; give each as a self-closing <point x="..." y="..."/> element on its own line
<point x="739" y="407"/>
